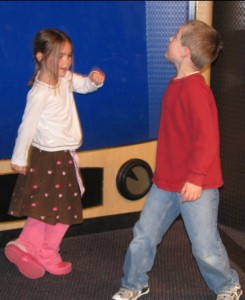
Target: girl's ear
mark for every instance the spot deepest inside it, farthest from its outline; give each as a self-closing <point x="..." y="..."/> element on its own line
<point x="39" y="56"/>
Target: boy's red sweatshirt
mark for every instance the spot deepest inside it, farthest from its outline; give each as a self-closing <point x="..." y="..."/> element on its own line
<point x="188" y="139"/>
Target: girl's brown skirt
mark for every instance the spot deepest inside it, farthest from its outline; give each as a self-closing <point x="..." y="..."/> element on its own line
<point x="49" y="191"/>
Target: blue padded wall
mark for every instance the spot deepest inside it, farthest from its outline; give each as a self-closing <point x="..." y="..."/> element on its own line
<point x="126" y="39"/>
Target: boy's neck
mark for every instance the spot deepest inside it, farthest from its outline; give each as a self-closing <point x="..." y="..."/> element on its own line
<point x="186" y="72"/>
<point x="185" y="68"/>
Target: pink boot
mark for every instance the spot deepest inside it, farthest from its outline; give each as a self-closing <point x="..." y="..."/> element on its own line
<point x="32" y="235"/>
<point x="26" y="263"/>
<point x="22" y="251"/>
<point x="49" y="255"/>
<point x="60" y="268"/>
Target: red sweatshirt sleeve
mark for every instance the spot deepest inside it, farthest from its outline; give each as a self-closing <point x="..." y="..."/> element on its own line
<point x="202" y="120"/>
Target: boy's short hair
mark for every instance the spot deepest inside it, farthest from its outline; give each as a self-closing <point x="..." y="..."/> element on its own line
<point x="203" y="41"/>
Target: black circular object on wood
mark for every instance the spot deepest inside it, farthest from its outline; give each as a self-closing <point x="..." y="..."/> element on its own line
<point x="134" y="179"/>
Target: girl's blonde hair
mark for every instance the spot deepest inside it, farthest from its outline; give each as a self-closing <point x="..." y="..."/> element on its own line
<point x="48" y="41"/>
<point x="203" y="41"/>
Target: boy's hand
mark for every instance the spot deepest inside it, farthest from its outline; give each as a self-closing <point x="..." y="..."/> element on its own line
<point x="191" y="192"/>
<point x="19" y="169"/>
<point x="97" y="77"/>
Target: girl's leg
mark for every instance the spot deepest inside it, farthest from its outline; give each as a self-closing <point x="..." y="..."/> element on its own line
<point x="32" y="236"/>
<point x="22" y="252"/>
<point x="160" y="210"/>
<point x="49" y="255"/>
<point x="200" y="218"/>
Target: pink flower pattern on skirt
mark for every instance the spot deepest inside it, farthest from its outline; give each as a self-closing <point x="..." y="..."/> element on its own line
<point x="51" y="190"/>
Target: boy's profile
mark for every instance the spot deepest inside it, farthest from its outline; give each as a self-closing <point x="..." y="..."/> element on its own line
<point x="188" y="171"/>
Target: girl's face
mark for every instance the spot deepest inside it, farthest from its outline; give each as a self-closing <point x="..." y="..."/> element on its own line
<point x="65" y="59"/>
<point x="57" y="64"/>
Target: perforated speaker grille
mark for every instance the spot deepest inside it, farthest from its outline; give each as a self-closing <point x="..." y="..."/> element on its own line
<point x="227" y="83"/>
<point x="163" y="18"/>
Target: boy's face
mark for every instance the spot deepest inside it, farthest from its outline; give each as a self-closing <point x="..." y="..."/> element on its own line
<point x="175" y="49"/>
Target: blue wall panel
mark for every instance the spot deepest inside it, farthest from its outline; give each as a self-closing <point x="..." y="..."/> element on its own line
<point x="126" y="39"/>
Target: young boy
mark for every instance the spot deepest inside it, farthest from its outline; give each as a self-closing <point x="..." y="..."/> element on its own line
<point x="188" y="172"/>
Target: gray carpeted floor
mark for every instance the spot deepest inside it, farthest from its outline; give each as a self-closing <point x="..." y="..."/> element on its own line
<point x="97" y="268"/>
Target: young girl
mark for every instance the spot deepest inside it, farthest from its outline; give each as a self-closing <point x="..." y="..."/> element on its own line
<point x="48" y="190"/>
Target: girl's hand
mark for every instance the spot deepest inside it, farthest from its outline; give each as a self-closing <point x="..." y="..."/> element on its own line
<point x="191" y="192"/>
<point x="97" y="77"/>
<point x="19" y="169"/>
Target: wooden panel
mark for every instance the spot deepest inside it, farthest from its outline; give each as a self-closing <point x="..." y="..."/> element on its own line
<point x="110" y="160"/>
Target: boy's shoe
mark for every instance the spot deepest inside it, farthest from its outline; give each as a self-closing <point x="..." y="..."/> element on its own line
<point x="26" y="263"/>
<point x="231" y="294"/>
<point x="127" y="294"/>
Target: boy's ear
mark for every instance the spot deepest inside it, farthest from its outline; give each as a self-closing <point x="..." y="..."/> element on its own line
<point x="39" y="56"/>
<point x="185" y="52"/>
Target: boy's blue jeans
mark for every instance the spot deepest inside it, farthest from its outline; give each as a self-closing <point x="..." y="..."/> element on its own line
<point x="200" y="218"/>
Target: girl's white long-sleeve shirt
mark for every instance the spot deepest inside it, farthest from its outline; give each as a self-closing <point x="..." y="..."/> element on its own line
<point x="50" y="121"/>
